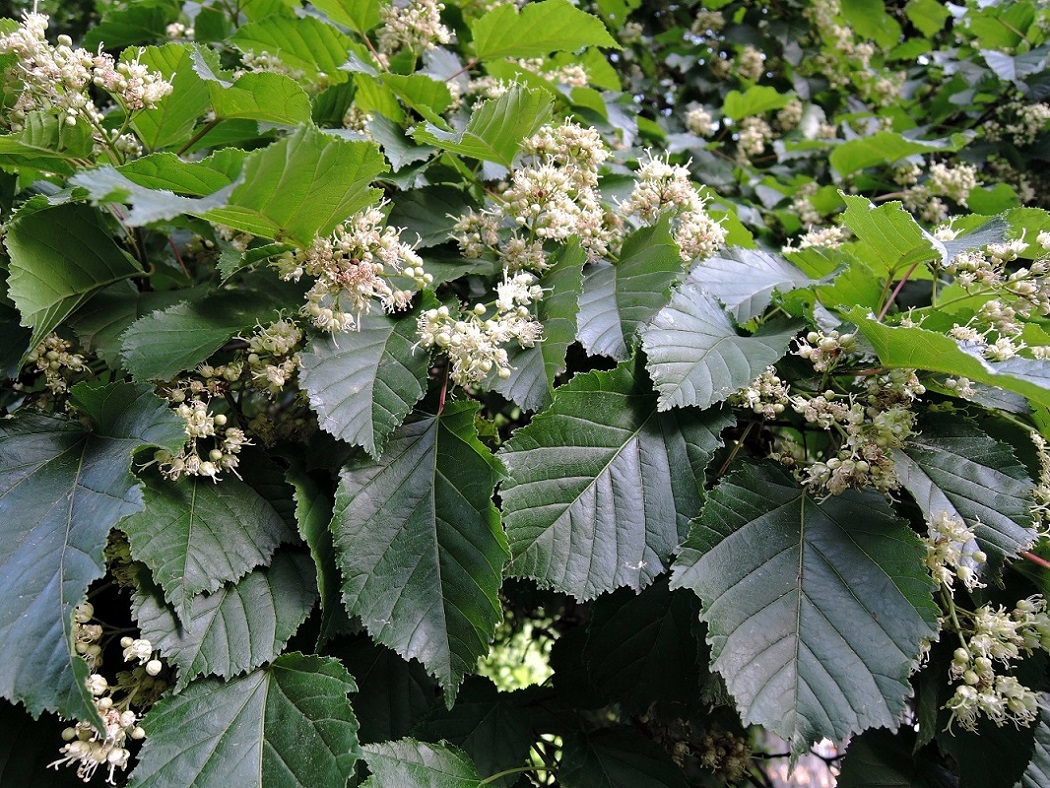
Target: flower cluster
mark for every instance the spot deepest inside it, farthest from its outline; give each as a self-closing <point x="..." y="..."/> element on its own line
<point x="57" y="79"/>
<point x="726" y="754"/>
<point x="414" y="25"/>
<point x="474" y="343"/>
<point x="824" y="350"/>
<point x="994" y="635"/>
<point x="767" y="395"/>
<point x="664" y="188"/>
<point x="352" y="268"/>
<point x="192" y="398"/>
<point x="59" y="365"/>
<point x="955" y="182"/>
<point x="273" y="357"/>
<point x="699" y="121"/>
<point x="87" y="747"/>
<point x="572" y="75"/>
<point x="1021" y="123"/>
<point x="951" y="552"/>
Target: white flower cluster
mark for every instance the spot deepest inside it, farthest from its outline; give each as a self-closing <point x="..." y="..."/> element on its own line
<point x="192" y="398"/>
<point x="997" y="636"/>
<point x="802" y="204"/>
<point x="752" y="138"/>
<point x="572" y="75"/>
<point x="955" y="182"/>
<point x="824" y="350"/>
<point x="52" y="357"/>
<point x="948" y="553"/>
<point x="750" y="63"/>
<point x="87" y="747"/>
<point x="790" y="115"/>
<point x="662" y="188"/>
<point x="552" y="198"/>
<point x="824" y="237"/>
<point x="256" y="62"/>
<point x="273" y="357"/>
<point x="58" y="79"/>
<point x="700" y="122"/>
<point x="474" y="343"/>
<point x="726" y="754"/>
<point x="1021" y="123"/>
<point x="767" y="395"/>
<point x="351" y="268"/>
<point x="414" y="25"/>
<point x="1041" y="493"/>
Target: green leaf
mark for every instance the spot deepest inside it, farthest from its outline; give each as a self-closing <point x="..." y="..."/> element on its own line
<point x="289" y="724"/>
<point x="744" y="280"/>
<point x="756" y="100"/>
<point x="194" y="535"/>
<point x="359" y="15"/>
<point x="928" y="16"/>
<point x="427" y="96"/>
<point x="535" y="369"/>
<point x="492" y="727"/>
<point x="598" y="493"/>
<point x="363" y="383"/>
<point x="890" y="239"/>
<point x="870" y="20"/>
<point x="393" y="695"/>
<point x="951" y="465"/>
<point x="618" y="298"/>
<point x="140" y="23"/>
<point x="161" y="345"/>
<point x="419" y="543"/>
<point x="885" y="759"/>
<point x="815" y="608"/>
<point x="888" y="147"/>
<point x="260" y="95"/>
<point x="28" y="746"/>
<point x="917" y="348"/>
<point x="171" y="122"/>
<point x="639" y="646"/>
<point x="313" y="513"/>
<point x="54" y="273"/>
<point x="302" y="43"/>
<point x="237" y="628"/>
<point x="695" y="356"/>
<point x="69" y="487"/>
<point x="414" y="764"/>
<point x="45" y="143"/>
<point x="539" y="29"/>
<point x="1038" y="772"/>
<point x="429" y="213"/>
<point x="496" y="129"/>
<point x="618" y="756"/>
<point x="302" y="186"/>
<point x="400" y="151"/>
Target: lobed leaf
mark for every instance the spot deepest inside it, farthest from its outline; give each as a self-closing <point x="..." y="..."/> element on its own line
<point x="745" y="280"/>
<point x="408" y="763"/>
<point x="537" y="30"/>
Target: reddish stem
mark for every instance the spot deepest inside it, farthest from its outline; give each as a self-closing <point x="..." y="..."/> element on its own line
<point x="1035" y="559"/>
<point x="896" y="290"/>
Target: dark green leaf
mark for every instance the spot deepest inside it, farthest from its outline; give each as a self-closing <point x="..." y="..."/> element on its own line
<point x="640" y="649"/>
<point x="882" y="758"/>
<point x="139" y="23"/>
<point x="601" y="486"/>
<point x="54" y="273"/>
<point x="289" y="724"/>
<point x="165" y="343"/>
<point x="393" y="695"/>
<point x="616" y="757"/>
<point x="953" y="466"/>
<point x="413" y="764"/>
<point x="496" y="128"/>
<point x="237" y="628"/>
<point x="756" y="100"/>
<point x="69" y="487"/>
<point x="46" y="143"/>
<point x="429" y="213"/>
<point x="695" y="356"/>
<point x="618" y="299"/>
<point x="539" y="29"/>
<point x="364" y="382"/>
<point x="1037" y="775"/>
<point x="420" y="546"/>
<point x="815" y="608"/>
<point x="28" y="746"/>
<point x="490" y="726"/>
<point x="194" y="535"/>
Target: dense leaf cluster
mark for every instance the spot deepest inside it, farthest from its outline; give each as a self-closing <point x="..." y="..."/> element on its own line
<point x="479" y="393"/>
